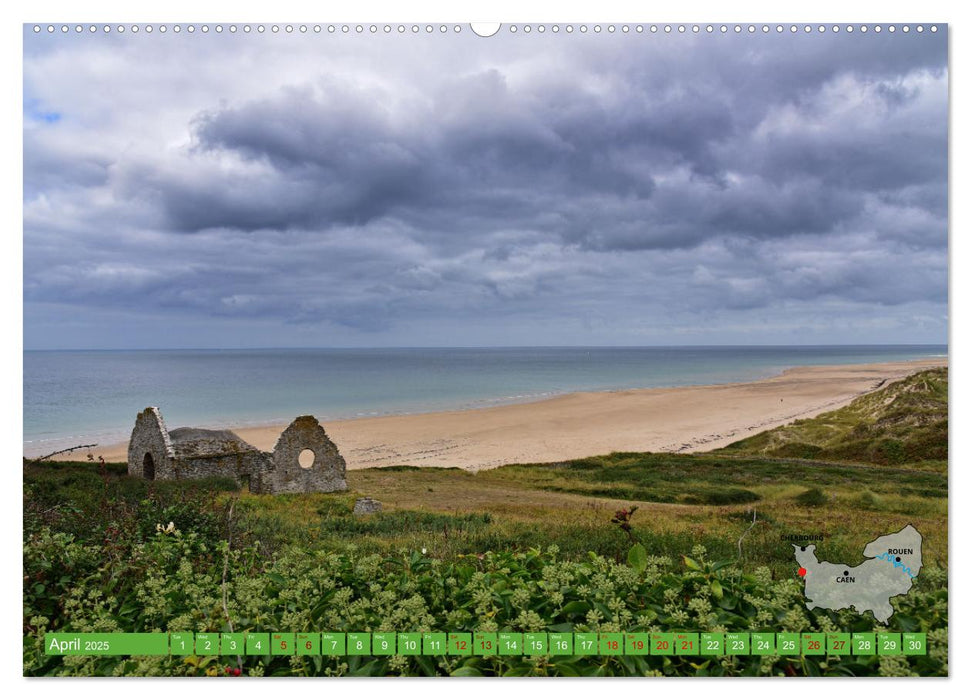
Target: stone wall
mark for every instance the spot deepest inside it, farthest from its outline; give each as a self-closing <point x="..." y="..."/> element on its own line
<point x="150" y="437"/>
<point x="246" y="469"/>
<point x="199" y="453"/>
<point x="327" y="473"/>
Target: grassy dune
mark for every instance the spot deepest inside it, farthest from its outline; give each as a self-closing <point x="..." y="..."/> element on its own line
<point x="904" y="423"/>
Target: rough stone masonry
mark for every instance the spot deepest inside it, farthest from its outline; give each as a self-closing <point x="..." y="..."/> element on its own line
<point x="155" y="452"/>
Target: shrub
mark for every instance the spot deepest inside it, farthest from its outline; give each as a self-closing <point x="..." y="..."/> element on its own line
<point x="720" y="497"/>
<point x="812" y="497"/>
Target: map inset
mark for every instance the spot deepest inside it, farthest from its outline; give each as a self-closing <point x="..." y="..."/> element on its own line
<point x="893" y="562"/>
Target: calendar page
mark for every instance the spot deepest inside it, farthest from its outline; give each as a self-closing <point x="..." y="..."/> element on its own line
<point x="516" y="349"/>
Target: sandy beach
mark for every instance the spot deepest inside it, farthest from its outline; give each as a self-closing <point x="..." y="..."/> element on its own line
<point x="681" y="419"/>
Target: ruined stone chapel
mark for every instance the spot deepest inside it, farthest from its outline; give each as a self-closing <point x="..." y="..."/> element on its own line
<point x="304" y="459"/>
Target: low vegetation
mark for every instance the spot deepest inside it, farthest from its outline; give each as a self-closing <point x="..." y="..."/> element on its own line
<point x="904" y="423"/>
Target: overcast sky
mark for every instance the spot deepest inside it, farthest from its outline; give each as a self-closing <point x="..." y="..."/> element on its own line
<point x="327" y="190"/>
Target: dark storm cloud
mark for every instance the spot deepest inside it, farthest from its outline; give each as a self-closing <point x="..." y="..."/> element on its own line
<point x="338" y="156"/>
<point x="443" y="184"/>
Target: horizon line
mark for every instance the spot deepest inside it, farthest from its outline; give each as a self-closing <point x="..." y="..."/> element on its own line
<point x="494" y="347"/>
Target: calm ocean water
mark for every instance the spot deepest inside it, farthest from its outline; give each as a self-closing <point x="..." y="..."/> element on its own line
<point x="74" y="397"/>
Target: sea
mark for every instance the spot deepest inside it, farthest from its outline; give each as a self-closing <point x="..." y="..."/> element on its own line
<point x="92" y="396"/>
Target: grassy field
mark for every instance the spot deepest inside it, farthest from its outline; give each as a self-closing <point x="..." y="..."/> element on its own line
<point x="850" y="475"/>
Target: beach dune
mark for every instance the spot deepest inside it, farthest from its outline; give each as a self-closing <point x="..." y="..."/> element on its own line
<point x="681" y="419"/>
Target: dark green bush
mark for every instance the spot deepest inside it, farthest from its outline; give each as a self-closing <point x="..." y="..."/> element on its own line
<point x="720" y="497"/>
<point x="812" y="497"/>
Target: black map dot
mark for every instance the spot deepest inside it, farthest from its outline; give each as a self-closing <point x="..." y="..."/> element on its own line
<point x="898" y="558"/>
<point x="803" y="548"/>
<point x="846" y="573"/>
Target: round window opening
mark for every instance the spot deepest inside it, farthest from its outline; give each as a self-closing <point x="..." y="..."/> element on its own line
<point x="306" y="459"/>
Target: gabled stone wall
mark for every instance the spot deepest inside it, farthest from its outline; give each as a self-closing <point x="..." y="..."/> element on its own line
<point x="150" y="437"/>
<point x="328" y="471"/>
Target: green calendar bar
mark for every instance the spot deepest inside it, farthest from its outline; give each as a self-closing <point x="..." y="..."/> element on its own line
<point x="106" y="644"/>
<point x="488" y="644"/>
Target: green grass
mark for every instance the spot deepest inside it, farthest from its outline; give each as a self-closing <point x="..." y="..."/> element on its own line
<point x="683" y="500"/>
<point x="672" y="478"/>
<point x="902" y="423"/>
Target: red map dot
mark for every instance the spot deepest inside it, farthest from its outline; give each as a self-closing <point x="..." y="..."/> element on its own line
<point x="802" y="571"/>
